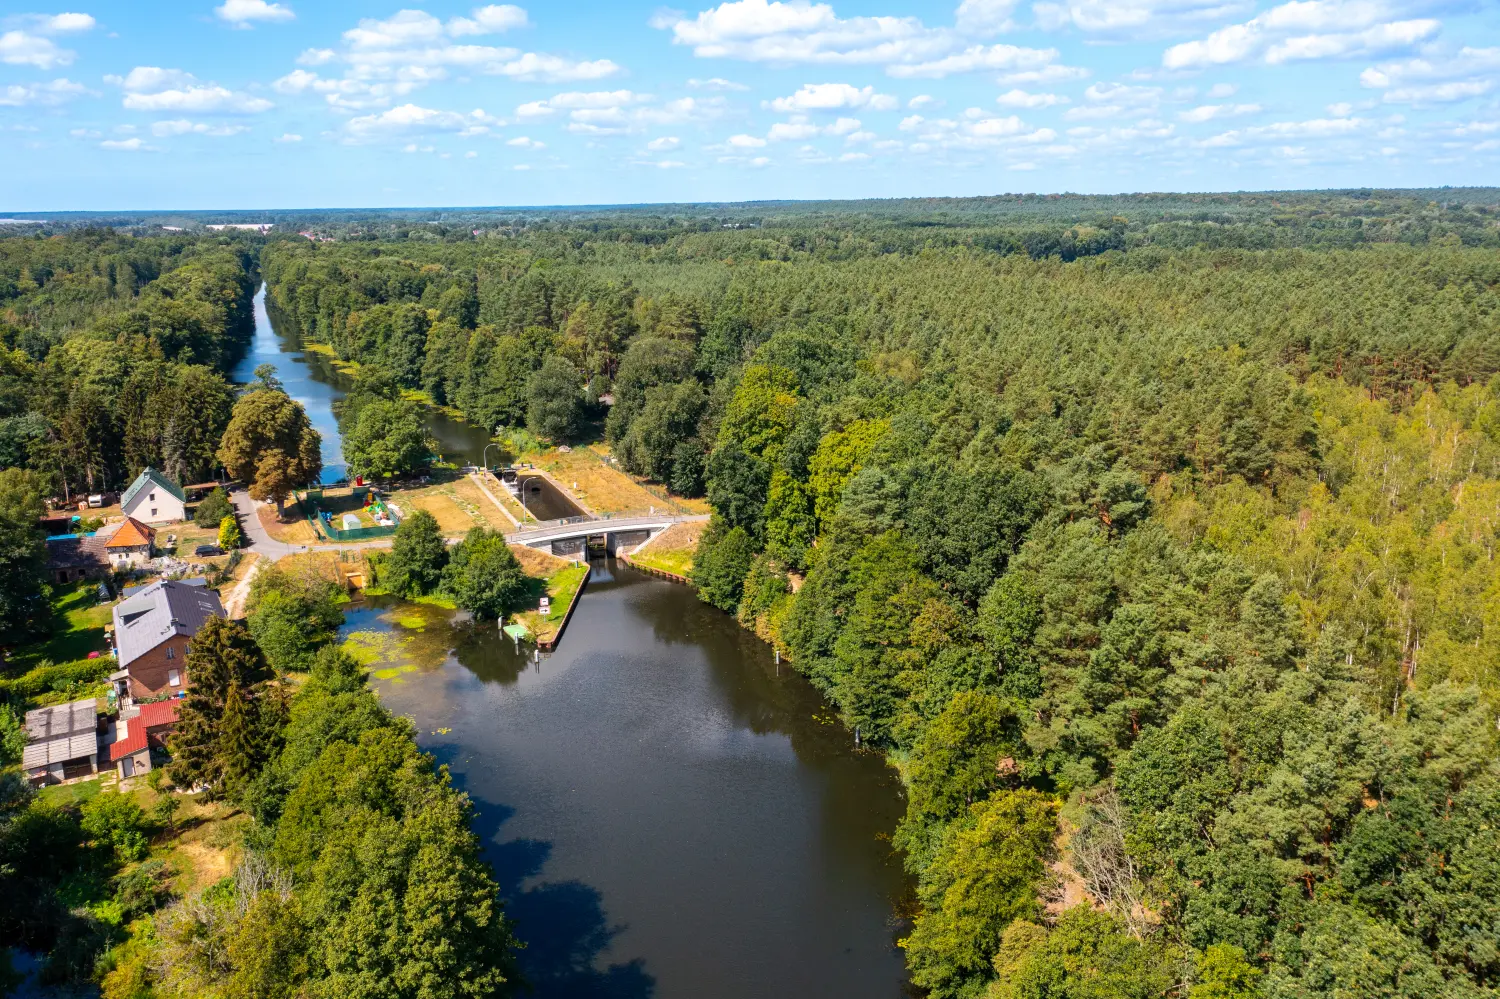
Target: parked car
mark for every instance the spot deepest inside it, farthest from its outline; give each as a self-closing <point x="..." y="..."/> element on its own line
<point x="206" y="551"/>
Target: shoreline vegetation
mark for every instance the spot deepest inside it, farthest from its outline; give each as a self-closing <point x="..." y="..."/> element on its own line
<point x="1151" y="536"/>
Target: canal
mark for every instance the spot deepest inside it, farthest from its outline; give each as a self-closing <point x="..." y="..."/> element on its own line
<point x="312" y="379"/>
<point x="668" y="813"/>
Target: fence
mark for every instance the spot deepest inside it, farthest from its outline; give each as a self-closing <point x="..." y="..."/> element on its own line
<point x="322" y="520"/>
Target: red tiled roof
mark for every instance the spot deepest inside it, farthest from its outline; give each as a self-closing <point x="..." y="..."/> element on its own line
<point x="131" y="534"/>
<point x="138" y="729"/>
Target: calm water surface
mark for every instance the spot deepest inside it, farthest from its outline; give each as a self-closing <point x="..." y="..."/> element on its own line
<point x="312" y="380"/>
<point x="667" y="815"/>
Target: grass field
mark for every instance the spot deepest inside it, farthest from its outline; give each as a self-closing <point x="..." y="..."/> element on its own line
<point x="79" y="620"/>
<point x="672" y="550"/>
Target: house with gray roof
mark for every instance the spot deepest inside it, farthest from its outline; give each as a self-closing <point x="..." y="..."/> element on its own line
<point x="153" y="634"/>
<point x="62" y="742"/>
<point x="154" y="499"/>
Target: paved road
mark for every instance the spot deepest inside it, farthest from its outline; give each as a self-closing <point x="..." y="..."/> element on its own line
<point x="269" y="548"/>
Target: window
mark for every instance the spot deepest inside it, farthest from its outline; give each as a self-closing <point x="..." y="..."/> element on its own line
<point x="171" y="652"/>
<point x="188" y="650"/>
<point x="172" y="678"/>
<point x="151" y="497"/>
<point x="153" y="511"/>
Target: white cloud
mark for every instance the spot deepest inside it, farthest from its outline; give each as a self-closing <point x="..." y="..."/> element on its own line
<point x="521" y="166"/>
<point x="182" y="126"/>
<point x="668" y="164"/>
<point x="211" y="98"/>
<point x="471" y="154"/>
<point x="288" y="137"/>
<point x="410" y="118"/>
<point x="152" y="88"/>
<point x="126" y="145"/>
<point x="831" y="97"/>
<point x="488" y="20"/>
<point x="617" y="112"/>
<point x="30" y="46"/>
<point x="716" y="83"/>
<point x="799" y="128"/>
<point x="525" y="142"/>
<point x="22" y="49"/>
<point x="664" y="144"/>
<point x="797" y="31"/>
<point x="1134" y="19"/>
<point x="749" y="141"/>
<point x="242" y="13"/>
<point x="316" y="57"/>
<point x="923" y="101"/>
<point x="41" y="94"/>
<point x="1219" y="91"/>
<point x="1306" y="29"/>
<point x="1023" y="99"/>
<point x="984" y="17"/>
<point x="1436" y="79"/>
<point x="1208" y="112"/>
<point x="1281" y="131"/>
<point x="1007" y="59"/>
<point x="1123" y="93"/>
<point x="854" y="157"/>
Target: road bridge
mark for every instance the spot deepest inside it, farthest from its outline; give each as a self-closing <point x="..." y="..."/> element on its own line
<point x="571" y="536"/>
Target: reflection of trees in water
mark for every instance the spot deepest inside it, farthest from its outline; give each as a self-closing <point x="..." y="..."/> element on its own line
<point x="480" y="648"/>
<point x="562" y="923"/>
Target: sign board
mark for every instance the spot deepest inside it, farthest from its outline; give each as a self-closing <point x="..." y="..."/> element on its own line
<point x="546" y="606"/>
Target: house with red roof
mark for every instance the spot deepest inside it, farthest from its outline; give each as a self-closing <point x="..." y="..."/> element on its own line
<point x="130" y="545"/>
<point x="140" y="734"/>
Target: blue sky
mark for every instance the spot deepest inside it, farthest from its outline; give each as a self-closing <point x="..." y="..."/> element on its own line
<point x="253" y="103"/>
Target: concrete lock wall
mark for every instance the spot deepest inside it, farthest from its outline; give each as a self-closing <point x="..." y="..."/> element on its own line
<point x="626" y="540"/>
<point x="569" y="547"/>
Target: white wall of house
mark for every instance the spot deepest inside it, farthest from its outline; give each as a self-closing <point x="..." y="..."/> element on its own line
<point x="154" y="505"/>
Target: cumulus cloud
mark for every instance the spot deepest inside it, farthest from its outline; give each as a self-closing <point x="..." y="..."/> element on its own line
<point x="386" y="59"/>
<point x="134" y="145"/>
<point x="286" y="137"/>
<point x="1283" y="131"/>
<point x="243" y="13"/>
<point x="182" y="126"/>
<point x="747" y="141"/>
<point x="525" y="142"/>
<point x="1006" y="59"/>
<point x="617" y="112"/>
<point x="984" y="17"/>
<point x="1306" y="29"/>
<point x="51" y="94"/>
<point x="797" y="31"/>
<point x="1023" y="99"/>
<point x="408" y="119"/>
<point x="716" y="83"/>
<point x="1208" y="112"/>
<point x="32" y="46"/>
<point x="1469" y="72"/>
<point x="1136" y="18"/>
<point x="831" y="97"/>
<point x="664" y="144"/>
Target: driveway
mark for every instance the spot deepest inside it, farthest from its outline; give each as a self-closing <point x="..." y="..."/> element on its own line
<point x="261" y="542"/>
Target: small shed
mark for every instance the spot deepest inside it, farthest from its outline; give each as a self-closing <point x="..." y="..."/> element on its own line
<point x="62" y="742"/>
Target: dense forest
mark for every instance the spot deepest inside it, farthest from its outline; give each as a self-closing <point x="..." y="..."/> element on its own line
<point x="1157" y="552"/>
<point x="1151" y="538"/>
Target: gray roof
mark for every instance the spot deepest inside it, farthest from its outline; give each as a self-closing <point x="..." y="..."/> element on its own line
<point x="131" y="591"/>
<point x="160" y="611"/>
<point x="61" y="733"/>
<point x="159" y="479"/>
<point x="77" y="553"/>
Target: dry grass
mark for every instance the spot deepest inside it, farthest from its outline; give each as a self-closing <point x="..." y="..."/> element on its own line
<point x="538" y="563"/>
<point x="673" y="549"/>
<point x="498" y="490"/>
<point x="469" y="493"/>
<point x="297" y="531"/>
<point x="597" y="485"/>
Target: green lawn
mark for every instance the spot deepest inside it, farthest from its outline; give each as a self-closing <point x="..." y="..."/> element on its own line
<point x="678" y="561"/>
<point x="70" y="794"/>
<point x="78" y="625"/>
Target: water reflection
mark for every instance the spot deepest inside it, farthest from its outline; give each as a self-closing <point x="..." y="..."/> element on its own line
<point x="667" y="815"/>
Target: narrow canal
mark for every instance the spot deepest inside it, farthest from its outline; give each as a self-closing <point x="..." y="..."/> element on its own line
<point x="669" y="814"/>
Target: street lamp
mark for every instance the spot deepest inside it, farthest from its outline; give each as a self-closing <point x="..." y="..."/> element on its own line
<point x="484" y="455"/>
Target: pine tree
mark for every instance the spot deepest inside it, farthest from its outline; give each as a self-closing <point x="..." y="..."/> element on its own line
<point x="239" y="752"/>
<point x="224" y="658"/>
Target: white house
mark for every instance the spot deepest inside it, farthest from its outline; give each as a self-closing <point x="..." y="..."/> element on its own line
<point x="154" y="499"/>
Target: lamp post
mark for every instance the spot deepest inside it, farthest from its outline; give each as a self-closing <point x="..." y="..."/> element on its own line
<point x="484" y="455"/>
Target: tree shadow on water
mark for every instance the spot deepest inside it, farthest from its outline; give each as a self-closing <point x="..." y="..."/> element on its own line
<point x="561" y="923"/>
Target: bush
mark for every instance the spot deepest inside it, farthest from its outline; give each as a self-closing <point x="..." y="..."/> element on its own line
<point x="214" y="508"/>
<point x="117" y="821"/>
<point x="58" y="677"/>
<point x="230" y="537"/>
<point x="143" y="889"/>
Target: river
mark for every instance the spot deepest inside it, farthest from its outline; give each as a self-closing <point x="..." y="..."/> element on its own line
<point x="668" y="813"/>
